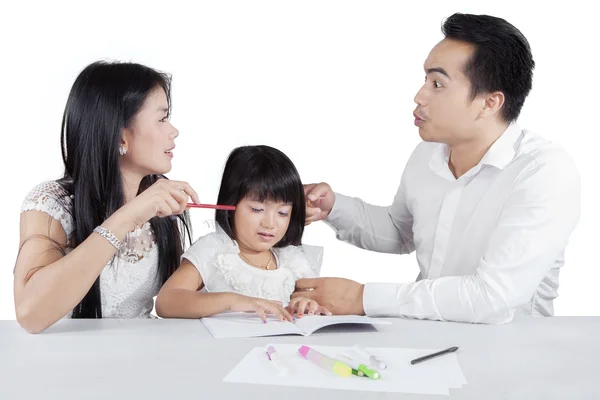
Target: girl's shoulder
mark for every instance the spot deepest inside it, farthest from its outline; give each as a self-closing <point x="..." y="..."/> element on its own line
<point x="304" y="259"/>
<point x="209" y="246"/>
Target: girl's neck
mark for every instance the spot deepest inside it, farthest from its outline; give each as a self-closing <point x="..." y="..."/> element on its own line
<point x="259" y="259"/>
<point x="247" y="251"/>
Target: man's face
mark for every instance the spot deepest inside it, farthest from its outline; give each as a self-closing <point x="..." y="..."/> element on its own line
<point x="445" y="112"/>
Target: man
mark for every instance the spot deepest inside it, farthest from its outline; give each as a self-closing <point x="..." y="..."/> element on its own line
<point x="488" y="207"/>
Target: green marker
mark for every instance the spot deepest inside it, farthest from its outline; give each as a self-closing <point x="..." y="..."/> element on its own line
<point x="361" y="369"/>
<point x="371" y="373"/>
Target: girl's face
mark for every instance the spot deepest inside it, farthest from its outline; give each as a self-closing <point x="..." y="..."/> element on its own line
<point x="258" y="226"/>
<point x="151" y="139"/>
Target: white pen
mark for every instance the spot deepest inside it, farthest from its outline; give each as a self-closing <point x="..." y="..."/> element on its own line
<point x="274" y="357"/>
<point x="372" y="359"/>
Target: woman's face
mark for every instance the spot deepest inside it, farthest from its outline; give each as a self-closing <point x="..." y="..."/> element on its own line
<point x="150" y="139"/>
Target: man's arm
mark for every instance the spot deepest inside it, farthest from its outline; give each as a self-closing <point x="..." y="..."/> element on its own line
<point x="382" y="229"/>
<point x="531" y="232"/>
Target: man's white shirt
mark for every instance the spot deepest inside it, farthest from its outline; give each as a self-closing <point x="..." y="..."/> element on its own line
<point x="489" y="244"/>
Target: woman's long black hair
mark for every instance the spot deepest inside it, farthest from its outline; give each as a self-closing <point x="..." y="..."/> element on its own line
<point x="104" y="100"/>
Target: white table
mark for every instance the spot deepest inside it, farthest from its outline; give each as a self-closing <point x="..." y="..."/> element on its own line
<point x="178" y="359"/>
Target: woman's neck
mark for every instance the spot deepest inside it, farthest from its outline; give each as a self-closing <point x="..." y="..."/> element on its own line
<point x="131" y="184"/>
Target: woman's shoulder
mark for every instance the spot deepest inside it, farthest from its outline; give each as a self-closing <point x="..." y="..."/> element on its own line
<point x="48" y="190"/>
<point x="52" y="198"/>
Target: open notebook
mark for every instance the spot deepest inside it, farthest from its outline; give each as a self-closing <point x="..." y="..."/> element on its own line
<point x="240" y="325"/>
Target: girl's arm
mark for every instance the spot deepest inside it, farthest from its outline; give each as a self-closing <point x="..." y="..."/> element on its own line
<point x="179" y="298"/>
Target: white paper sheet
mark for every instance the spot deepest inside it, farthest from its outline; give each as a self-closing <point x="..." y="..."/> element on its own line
<point x="435" y="376"/>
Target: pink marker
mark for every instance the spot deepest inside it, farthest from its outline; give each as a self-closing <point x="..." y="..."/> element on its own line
<point x="337" y="367"/>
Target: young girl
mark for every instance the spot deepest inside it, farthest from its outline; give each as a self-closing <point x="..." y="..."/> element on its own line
<point x="253" y="259"/>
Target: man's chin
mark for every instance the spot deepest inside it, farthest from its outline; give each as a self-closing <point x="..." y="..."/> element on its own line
<point x="425" y="135"/>
<point x="429" y="136"/>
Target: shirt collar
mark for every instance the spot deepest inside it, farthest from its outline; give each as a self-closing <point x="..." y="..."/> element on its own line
<point x="502" y="152"/>
<point x="499" y="155"/>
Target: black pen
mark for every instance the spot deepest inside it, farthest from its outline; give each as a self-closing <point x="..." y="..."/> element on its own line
<point x="430" y="356"/>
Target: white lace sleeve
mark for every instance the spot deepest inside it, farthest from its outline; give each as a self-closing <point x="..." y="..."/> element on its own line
<point x="52" y="199"/>
<point x="203" y="254"/>
<point x="314" y="254"/>
<point x="305" y="261"/>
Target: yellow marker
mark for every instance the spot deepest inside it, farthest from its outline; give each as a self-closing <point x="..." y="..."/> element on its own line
<point x="338" y="367"/>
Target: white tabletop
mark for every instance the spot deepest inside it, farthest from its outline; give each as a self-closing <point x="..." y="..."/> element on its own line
<point x="162" y="359"/>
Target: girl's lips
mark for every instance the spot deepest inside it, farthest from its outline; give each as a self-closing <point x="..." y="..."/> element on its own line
<point x="266" y="237"/>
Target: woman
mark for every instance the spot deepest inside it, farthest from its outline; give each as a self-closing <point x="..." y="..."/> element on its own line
<point x="96" y="243"/>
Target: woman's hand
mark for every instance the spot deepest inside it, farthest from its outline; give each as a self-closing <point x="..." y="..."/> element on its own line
<point x="165" y="197"/>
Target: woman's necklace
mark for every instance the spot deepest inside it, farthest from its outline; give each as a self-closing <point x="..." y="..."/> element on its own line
<point x="256" y="265"/>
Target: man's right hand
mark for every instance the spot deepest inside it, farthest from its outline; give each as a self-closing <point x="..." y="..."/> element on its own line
<point x="319" y="201"/>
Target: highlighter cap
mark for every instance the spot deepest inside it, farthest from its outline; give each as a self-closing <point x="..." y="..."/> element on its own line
<point x="303" y="351"/>
<point x="371" y="373"/>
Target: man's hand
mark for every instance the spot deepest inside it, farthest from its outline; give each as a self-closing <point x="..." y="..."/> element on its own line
<point x="338" y="295"/>
<point x="319" y="201"/>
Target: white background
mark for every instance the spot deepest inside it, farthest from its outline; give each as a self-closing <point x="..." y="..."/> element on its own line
<point x="330" y="83"/>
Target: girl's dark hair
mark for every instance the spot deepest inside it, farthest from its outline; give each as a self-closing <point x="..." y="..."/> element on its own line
<point x="104" y="99"/>
<point x="262" y="173"/>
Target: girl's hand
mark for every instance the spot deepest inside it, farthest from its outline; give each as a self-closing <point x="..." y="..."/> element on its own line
<point x="302" y="305"/>
<point x="241" y="303"/>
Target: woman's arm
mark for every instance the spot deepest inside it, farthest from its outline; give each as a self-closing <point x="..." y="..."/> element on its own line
<point x="49" y="284"/>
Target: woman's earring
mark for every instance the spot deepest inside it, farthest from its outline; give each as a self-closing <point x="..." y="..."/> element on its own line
<point x="122" y="150"/>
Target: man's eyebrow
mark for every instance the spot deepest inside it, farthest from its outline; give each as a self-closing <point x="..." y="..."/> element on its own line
<point x="438" y="70"/>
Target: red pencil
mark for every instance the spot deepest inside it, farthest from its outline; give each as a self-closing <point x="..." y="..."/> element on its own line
<point x="215" y="206"/>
